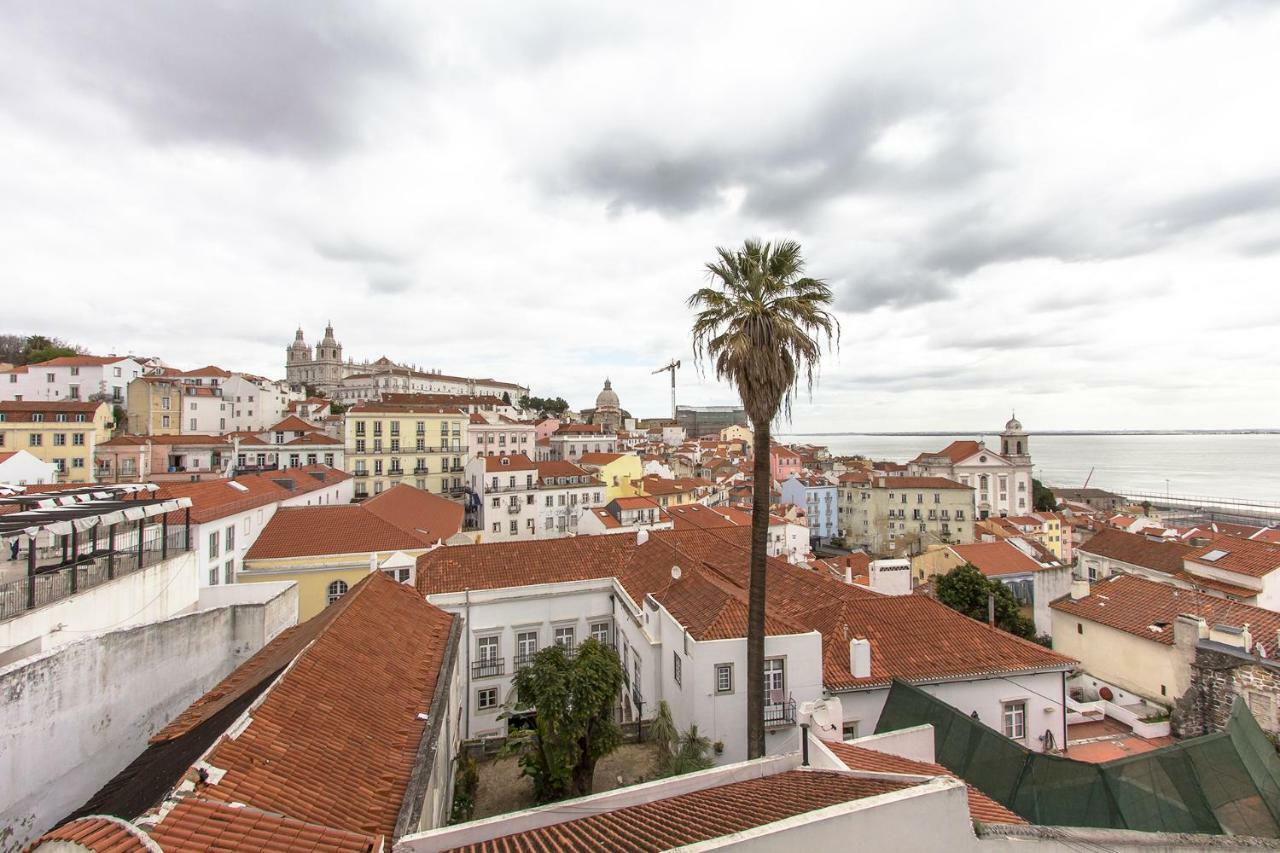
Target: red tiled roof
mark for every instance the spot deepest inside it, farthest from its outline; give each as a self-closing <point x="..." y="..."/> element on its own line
<point x="99" y="833"/>
<point x="599" y="458"/>
<point x="208" y="370"/>
<point x="686" y="819"/>
<point x="558" y="468"/>
<point x="981" y="807"/>
<point x="15" y="410"/>
<point x="214" y="499"/>
<point x="292" y="423"/>
<point x="377" y="408"/>
<point x="514" y="462"/>
<point x="997" y="558"/>
<point x="196" y="824"/>
<point x="335" y="740"/>
<point x="1243" y="556"/>
<point x="1133" y="604"/>
<point x="632" y="502"/>
<point x="81" y="361"/>
<point x="1136" y="550"/>
<point x="315" y="438"/>
<point x="956" y="451"/>
<point x="400" y="518"/>
<point x="920" y="483"/>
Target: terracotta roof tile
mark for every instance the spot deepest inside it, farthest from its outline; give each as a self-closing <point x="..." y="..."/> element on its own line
<point x="197" y="824"/>
<point x="696" y="816"/>
<point x="981" y="807"/>
<point x="1136" y="550"/>
<point x="214" y="499"/>
<point x="512" y="462"/>
<point x="1242" y="556"/>
<point x="997" y="558"/>
<point x="1135" y="604"/>
<point x="335" y="740"/>
<point x="292" y="423"/>
<point x="402" y="517"/>
<point x="81" y="361"/>
<point x="99" y="833"/>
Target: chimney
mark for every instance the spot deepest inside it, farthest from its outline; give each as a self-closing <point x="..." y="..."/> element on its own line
<point x="642" y="537"/>
<point x="848" y="573"/>
<point x="1079" y="589"/>
<point x="860" y="657"/>
<point x="373" y="562"/>
<point x="1230" y="635"/>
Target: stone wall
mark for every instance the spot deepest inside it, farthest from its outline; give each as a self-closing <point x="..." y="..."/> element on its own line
<point x="1218" y="675"/>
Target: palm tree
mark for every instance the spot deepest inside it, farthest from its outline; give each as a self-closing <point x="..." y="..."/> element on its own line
<point x="762" y="324"/>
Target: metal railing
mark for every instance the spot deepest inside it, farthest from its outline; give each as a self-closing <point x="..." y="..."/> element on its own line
<point x="513" y="509"/>
<point x="521" y="661"/>
<point x="488" y="667"/>
<point x="783" y="714"/>
<point x="84" y="572"/>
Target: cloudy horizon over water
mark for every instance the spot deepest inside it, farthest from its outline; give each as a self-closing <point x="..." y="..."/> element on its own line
<point x="1067" y="209"/>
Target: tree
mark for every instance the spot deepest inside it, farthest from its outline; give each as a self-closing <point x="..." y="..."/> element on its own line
<point x="506" y="397"/>
<point x="574" y="696"/>
<point x="1042" y="497"/>
<point x="966" y="589"/>
<point x="761" y="323"/>
<point x="678" y="753"/>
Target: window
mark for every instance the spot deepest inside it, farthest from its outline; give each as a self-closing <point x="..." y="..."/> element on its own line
<point x="486" y="698"/>
<point x="336" y="590"/>
<point x="36" y="439"/>
<point x="77" y="439"/>
<point x="213" y="576"/>
<point x="676" y="667"/>
<point x="59" y="439"/>
<point x="1015" y="720"/>
<point x="775" y="680"/>
<point x="487" y="648"/>
<point x="600" y="632"/>
<point x="229" y="572"/>
<point x="526" y="645"/>
<point x="565" y="636"/>
<point x="230" y="537"/>
<point x="724" y="678"/>
<point x="213" y="545"/>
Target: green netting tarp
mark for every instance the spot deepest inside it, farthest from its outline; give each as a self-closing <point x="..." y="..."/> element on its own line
<point x="1225" y="782"/>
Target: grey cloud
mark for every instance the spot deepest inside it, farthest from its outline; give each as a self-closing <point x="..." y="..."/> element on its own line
<point x="389" y="283"/>
<point x="861" y="294"/>
<point x="1005" y="341"/>
<point x="350" y="249"/>
<point x="274" y="77"/>
<point x="788" y="171"/>
<point x="1211" y="206"/>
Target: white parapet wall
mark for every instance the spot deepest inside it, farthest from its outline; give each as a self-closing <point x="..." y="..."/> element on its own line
<point x="75" y="715"/>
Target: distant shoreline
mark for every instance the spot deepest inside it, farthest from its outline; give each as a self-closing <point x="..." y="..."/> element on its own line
<point x="936" y="433"/>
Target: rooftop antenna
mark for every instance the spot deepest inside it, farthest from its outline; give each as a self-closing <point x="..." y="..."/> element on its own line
<point x="673" y="366"/>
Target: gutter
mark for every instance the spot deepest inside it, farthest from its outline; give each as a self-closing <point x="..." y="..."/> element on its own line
<point x="424" y="760"/>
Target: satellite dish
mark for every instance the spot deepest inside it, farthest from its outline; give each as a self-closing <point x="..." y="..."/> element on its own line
<point x="675" y="573"/>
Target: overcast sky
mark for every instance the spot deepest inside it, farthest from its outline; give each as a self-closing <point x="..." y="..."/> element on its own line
<point x="1072" y="209"/>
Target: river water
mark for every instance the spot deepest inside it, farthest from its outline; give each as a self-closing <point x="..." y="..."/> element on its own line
<point x="1227" y="466"/>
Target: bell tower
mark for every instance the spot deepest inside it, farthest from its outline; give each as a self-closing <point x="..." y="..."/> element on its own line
<point x="1014" y="442"/>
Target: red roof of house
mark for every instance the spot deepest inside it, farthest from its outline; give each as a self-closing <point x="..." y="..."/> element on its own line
<point x="599" y="458"/>
<point x="997" y="558"/>
<point x="513" y="462"/>
<point x="208" y="370"/>
<point x="686" y="819"/>
<point x="214" y="499"/>
<point x="292" y="423"/>
<point x="81" y="361"/>
<point x="556" y="468"/>
<point x="98" y="833"/>
<point x="22" y="410"/>
<point x="1242" y="556"/>
<point x="956" y="451"/>
<point x="920" y="483"/>
<point x="1136" y="550"/>
<point x="400" y="518"/>
<point x="196" y="823"/>
<point x="1135" y="604"/>
<point x="981" y="807"/>
<point x="335" y="740"/>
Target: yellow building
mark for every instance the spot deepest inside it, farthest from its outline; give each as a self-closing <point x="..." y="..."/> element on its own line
<point x="621" y="472"/>
<point x="64" y="433"/>
<point x="327" y="549"/>
<point x="737" y="432"/>
<point x="419" y="445"/>
<point x="154" y="406"/>
<point x="678" y="492"/>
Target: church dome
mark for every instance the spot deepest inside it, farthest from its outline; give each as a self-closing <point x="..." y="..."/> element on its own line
<point x="1014" y="425"/>
<point x="608" y="398"/>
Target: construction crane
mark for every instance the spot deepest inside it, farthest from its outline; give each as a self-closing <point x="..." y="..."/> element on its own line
<point x="673" y="367"/>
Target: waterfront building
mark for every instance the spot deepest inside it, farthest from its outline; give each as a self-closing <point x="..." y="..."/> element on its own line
<point x="1001" y="480"/>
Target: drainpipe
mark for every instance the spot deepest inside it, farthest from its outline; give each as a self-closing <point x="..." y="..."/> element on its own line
<point x="804" y="744"/>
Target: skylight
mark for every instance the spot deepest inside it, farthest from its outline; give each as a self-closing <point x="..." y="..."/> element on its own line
<point x="239" y="487"/>
<point x="1214" y="555"/>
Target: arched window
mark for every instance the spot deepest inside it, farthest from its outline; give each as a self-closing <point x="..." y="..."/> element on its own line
<point x="983" y="482"/>
<point x="336" y="590"/>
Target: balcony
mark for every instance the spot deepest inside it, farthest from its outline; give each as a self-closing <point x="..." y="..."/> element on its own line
<point x="59" y="581"/>
<point x="420" y="470"/>
<point x="488" y="667"/>
<point x="359" y="472"/>
<point x="781" y="714"/>
<point x="521" y="661"/>
<point x="395" y="472"/>
<point x="513" y="509"/>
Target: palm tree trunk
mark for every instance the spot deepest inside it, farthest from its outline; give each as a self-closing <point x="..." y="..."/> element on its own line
<point x="760" y="487"/>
